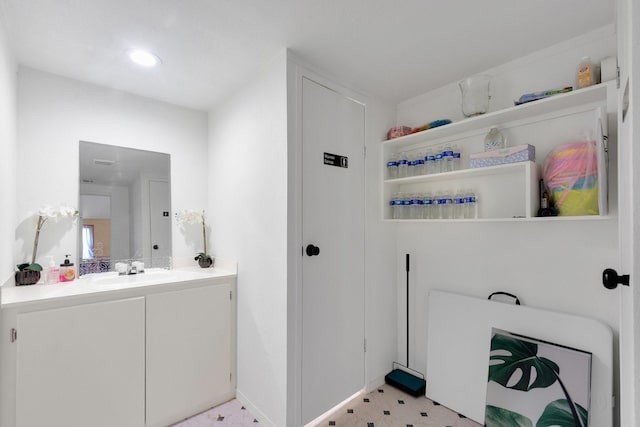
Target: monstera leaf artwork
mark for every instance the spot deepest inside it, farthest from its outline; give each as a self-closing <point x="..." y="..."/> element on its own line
<point x="521" y="356"/>
<point x="533" y="381"/>
<point x="500" y="417"/>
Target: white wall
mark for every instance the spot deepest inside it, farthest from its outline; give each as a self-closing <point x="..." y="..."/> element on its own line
<point x="7" y="165"/>
<point x="248" y="219"/>
<point x="55" y="113"/>
<point x="554" y="265"/>
<point x="8" y="157"/>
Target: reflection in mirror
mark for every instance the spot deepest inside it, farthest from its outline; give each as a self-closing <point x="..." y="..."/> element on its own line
<point x="125" y="207"/>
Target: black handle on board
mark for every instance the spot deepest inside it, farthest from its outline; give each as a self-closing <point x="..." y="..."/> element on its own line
<point x="517" y="301"/>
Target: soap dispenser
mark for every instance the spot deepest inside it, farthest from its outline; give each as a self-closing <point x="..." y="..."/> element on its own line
<point x="52" y="274"/>
<point x="67" y="271"/>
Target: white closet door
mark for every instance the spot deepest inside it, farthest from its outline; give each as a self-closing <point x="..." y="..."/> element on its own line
<point x="333" y="222"/>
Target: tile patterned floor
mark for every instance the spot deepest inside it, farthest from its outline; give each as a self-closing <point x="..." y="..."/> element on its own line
<point x="389" y="407"/>
<point x="383" y="407"/>
<point x="230" y="414"/>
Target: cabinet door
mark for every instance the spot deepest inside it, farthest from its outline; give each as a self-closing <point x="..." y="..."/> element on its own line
<point x="81" y="366"/>
<point x="188" y="352"/>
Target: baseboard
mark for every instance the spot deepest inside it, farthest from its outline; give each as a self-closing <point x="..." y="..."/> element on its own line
<point x="374" y="384"/>
<point x="263" y="420"/>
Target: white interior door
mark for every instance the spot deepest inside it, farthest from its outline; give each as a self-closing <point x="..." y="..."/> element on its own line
<point x="160" y="222"/>
<point x="629" y="178"/>
<point x="333" y="221"/>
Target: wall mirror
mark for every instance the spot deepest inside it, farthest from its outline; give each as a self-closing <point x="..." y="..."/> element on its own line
<point x="124" y="206"/>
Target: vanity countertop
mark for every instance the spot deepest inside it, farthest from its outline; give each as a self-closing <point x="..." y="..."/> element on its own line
<point x="102" y="284"/>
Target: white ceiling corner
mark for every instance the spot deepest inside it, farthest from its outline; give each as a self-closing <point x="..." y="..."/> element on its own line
<point x="389" y="49"/>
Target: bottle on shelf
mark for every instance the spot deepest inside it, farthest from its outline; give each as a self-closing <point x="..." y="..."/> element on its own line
<point x="444" y="205"/>
<point x="459" y="200"/>
<point x="392" y="166"/>
<point x="438" y="161"/>
<point x="406" y="203"/>
<point x="396" y="205"/>
<point x="427" y="206"/>
<point x="412" y="166"/>
<point x="471" y="205"/>
<point x="418" y="168"/>
<point x="438" y="200"/>
<point x="447" y="206"/>
<point x="429" y="162"/>
<point x="403" y="165"/>
<point x="447" y="159"/>
<point x="414" y="206"/>
<point x="411" y="158"/>
<point x="457" y="158"/>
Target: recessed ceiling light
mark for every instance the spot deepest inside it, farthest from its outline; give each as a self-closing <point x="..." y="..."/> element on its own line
<point x="143" y="58"/>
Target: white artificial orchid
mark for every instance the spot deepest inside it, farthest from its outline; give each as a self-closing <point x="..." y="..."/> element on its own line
<point x="190" y="216"/>
<point x="46" y="212"/>
<point x="67" y="211"/>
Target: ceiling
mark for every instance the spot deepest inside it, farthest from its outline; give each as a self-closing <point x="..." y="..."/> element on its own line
<point x="391" y="49"/>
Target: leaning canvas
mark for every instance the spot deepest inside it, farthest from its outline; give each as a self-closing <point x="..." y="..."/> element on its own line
<point x="536" y="383"/>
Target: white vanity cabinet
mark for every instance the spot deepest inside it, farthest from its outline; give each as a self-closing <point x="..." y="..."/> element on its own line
<point x="105" y="354"/>
<point x="81" y="365"/>
<point x="188" y="352"/>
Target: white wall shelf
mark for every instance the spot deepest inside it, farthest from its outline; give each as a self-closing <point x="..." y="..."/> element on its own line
<point x="540" y="109"/>
<point x="506" y="192"/>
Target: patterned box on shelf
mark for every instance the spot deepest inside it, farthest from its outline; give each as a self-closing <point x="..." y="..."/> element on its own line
<point x="502" y="156"/>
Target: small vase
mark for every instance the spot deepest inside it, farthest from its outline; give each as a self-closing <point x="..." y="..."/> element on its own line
<point x="27" y="277"/>
<point x="205" y="262"/>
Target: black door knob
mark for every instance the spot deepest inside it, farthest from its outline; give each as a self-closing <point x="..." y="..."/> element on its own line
<point x="312" y="250"/>
<point x="611" y="279"/>
<point x="155" y="246"/>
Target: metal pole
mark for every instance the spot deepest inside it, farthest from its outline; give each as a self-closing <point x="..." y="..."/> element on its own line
<point x="407" y="270"/>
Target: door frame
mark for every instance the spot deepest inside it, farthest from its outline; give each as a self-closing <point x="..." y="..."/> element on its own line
<point x="296" y="71"/>
<point x="629" y="346"/>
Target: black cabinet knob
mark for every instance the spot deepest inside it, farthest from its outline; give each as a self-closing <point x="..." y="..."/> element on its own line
<point x="312" y="250"/>
<point x="611" y="279"/>
<point x="155" y="247"/>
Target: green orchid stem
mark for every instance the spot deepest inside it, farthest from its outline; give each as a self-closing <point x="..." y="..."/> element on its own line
<point x="41" y="221"/>
<point x="204" y="234"/>
<point x="572" y="406"/>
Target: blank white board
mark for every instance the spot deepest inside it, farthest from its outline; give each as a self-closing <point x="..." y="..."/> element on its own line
<point x="458" y="343"/>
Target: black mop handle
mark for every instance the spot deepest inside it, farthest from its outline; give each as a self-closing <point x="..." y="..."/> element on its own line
<point x="407" y="270"/>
